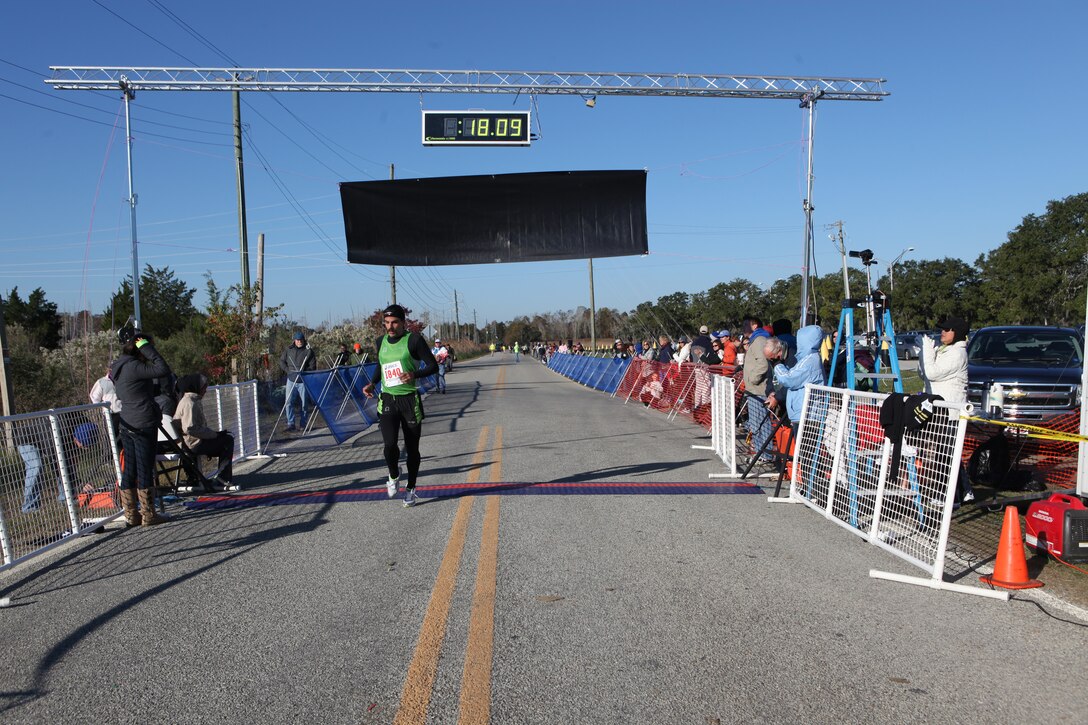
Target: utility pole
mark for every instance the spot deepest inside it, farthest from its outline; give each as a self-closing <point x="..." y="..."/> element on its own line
<point x="7" y="395"/>
<point x="260" y="281"/>
<point x="842" y="252"/>
<point x="592" y="311"/>
<point x="475" y="330"/>
<point x="392" y="269"/>
<point x="239" y="171"/>
<point x="456" y="317"/>
<point x="891" y="267"/>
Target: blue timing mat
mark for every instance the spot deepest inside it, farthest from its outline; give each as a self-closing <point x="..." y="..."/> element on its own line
<point x="559" y="488"/>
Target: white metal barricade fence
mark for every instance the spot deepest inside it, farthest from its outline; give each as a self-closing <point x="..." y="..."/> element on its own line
<point x="58" y="478"/>
<point x="723" y="424"/>
<point x="842" y="468"/>
<point x="233" y="408"/>
<point x="59" y="468"/>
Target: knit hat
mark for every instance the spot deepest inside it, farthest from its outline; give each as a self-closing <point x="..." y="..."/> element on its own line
<point x="299" y="335"/>
<point x="394" y="311"/>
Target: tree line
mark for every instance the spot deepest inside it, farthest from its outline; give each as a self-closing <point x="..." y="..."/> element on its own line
<point x="1039" y="275"/>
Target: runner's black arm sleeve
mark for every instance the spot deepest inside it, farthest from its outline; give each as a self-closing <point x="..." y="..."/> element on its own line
<point x="419" y="349"/>
<point x="377" y="376"/>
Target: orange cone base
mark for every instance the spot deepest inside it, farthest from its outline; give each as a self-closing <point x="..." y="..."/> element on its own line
<point x="1029" y="584"/>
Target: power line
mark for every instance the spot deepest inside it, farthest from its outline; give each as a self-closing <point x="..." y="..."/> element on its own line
<point x="287" y="136"/>
<point x="102" y="110"/>
<point x="313" y="132"/>
<point x="103" y="123"/>
<point x="192" y="31"/>
<point x="144" y="33"/>
<point x="222" y="54"/>
<point x="314" y="227"/>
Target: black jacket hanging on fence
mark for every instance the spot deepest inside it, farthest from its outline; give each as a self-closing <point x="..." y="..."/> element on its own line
<point x="902" y="413"/>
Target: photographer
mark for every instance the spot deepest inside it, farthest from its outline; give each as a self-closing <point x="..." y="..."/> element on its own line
<point x="944" y="368"/>
<point x="806" y="369"/>
<point x="133" y="375"/>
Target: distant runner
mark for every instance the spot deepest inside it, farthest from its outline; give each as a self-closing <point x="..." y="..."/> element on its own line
<point x="400" y="407"/>
<point x="442" y="356"/>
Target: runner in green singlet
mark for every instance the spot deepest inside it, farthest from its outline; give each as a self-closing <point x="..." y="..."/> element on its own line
<point x="400" y="408"/>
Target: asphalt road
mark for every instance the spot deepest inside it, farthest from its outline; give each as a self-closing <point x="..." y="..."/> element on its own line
<point x="310" y="597"/>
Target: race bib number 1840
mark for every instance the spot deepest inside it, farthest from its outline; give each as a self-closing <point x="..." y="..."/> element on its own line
<point x="391" y="373"/>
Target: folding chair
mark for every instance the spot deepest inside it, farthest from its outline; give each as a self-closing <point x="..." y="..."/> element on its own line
<point x="173" y="456"/>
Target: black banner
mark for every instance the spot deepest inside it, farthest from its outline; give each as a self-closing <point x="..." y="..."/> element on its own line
<point x="496" y="218"/>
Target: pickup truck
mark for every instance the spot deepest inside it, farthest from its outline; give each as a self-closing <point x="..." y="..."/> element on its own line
<point x="1039" y="369"/>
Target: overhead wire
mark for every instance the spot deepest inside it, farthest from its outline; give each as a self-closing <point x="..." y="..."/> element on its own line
<point x="104" y="94"/>
<point x="54" y="97"/>
<point x="415" y="283"/>
<point x="103" y="123"/>
<point x="309" y="221"/>
<point x="192" y="31"/>
<point x="200" y="37"/>
<point x="146" y="34"/>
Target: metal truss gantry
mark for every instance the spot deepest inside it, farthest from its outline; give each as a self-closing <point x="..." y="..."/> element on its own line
<point x="465" y="81"/>
<point x="807" y="90"/>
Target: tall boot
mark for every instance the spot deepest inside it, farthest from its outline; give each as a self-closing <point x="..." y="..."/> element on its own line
<point x="148" y="515"/>
<point x="128" y="505"/>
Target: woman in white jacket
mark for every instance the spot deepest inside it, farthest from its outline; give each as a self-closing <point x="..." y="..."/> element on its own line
<point x="944" y="368"/>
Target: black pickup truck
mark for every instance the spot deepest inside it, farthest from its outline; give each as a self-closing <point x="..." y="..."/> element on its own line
<point x="1039" y="369"/>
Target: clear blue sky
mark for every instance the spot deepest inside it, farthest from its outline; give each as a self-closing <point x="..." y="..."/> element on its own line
<point x="984" y="125"/>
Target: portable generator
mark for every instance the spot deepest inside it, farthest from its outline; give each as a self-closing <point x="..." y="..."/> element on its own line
<point x="1059" y="526"/>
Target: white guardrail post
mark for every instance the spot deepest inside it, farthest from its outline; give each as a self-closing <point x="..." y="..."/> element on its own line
<point x="238" y="416"/>
<point x="65" y="474"/>
<point x="5" y="539"/>
<point x="243" y="420"/>
<point x="723" y="424"/>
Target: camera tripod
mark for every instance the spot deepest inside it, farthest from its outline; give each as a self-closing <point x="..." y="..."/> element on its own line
<point x="878" y="338"/>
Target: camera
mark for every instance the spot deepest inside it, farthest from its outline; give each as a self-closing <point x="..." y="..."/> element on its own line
<point x="127" y="334"/>
<point x="865" y="255"/>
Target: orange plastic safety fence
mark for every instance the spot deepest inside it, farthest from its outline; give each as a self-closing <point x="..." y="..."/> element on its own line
<point x="677" y="388"/>
<point x="1054" y="462"/>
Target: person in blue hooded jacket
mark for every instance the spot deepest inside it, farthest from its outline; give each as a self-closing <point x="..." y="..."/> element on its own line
<point x="808" y="368"/>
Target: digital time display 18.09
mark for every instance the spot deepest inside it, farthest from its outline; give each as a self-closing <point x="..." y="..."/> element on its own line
<point x="475" y="128"/>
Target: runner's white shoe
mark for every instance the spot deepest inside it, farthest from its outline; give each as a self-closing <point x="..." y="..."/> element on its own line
<point x="391" y="487"/>
<point x="409" y="497"/>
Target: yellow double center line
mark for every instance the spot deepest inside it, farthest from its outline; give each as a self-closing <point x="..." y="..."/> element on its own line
<point x="476" y="678"/>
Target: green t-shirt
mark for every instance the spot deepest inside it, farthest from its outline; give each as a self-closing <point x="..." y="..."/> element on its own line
<point x="394" y="359"/>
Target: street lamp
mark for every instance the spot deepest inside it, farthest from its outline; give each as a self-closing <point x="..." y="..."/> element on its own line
<point x="891" y="267"/>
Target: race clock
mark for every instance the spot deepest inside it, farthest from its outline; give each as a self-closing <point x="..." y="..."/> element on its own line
<point x="476" y="128"/>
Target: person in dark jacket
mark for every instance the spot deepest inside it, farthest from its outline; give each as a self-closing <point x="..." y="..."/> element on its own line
<point x="133" y="374"/>
<point x="664" y="353"/>
<point x="400" y="407"/>
<point x="700" y="344"/>
<point x="295" y="359"/>
<point x="343" y="357"/>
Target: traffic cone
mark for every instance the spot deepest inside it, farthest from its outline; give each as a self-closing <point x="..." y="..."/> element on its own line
<point x="1011" y="567"/>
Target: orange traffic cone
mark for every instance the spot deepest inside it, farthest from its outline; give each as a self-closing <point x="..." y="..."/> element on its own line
<point x="1011" y="567"/>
